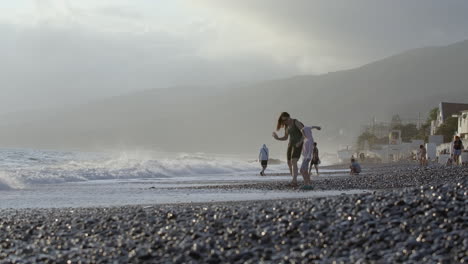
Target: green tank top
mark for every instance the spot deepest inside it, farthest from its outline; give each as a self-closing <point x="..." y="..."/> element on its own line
<point x="295" y="134"/>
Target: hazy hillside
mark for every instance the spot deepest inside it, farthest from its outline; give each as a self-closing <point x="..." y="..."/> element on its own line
<point x="242" y="118"/>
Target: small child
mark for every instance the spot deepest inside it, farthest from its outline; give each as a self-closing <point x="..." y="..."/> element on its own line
<point x="355" y="167"/>
<point x="263" y="158"/>
<point x="422" y="155"/>
<point x="307" y="149"/>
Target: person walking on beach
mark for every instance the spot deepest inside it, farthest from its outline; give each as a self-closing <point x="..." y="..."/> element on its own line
<point x="292" y="131"/>
<point x="315" y="160"/>
<point x="307" y="142"/>
<point x="355" y="168"/>
<point x="263" y="158"/>
<point x="422" y="155"/>
<point x="457" y="147"/>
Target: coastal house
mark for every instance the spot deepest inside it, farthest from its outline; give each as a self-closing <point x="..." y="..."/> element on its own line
<point x="462" y="130"/>
<point x="446" y="110"/>
<point x="445" y="150"/>
<point x="395" y="150"/>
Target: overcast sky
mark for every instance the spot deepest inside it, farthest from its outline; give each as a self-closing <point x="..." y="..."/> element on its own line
<point x="78" y="50"/>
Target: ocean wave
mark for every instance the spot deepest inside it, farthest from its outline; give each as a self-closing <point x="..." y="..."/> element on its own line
<point x="9" y="183"/>
<point x="132" y="165"/>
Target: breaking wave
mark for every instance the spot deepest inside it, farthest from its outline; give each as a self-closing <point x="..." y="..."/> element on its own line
<point x="9" y="183"/>
<point x="27" y="167"/>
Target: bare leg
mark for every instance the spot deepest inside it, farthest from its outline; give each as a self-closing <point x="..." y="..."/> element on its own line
<point x="294" y="170"/>
<point x="290" y="167"/>
<point x="306" y="177"/>
<point x="316" y="169"/>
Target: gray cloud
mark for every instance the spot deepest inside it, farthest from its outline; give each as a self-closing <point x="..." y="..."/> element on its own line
<point x="73" y="54"/>
<point x="46" y="66"/>
<point x="354" y="31"/>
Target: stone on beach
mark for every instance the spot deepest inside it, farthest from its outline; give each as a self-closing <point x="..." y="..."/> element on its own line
<point x="425" y="224"/>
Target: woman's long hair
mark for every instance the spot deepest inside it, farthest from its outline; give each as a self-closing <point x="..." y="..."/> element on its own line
<point x="280" y="123"/>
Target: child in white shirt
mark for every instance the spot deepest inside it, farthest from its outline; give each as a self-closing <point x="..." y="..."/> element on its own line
<point x="307" y="150"/>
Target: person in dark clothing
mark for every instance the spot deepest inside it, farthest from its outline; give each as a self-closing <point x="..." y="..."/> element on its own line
<point x="422" y="156"/>
<point x="315" y="159"/>
<point x="457" y="147"/>
<point x="292" y="131"/>
<point x="355" y="168"/>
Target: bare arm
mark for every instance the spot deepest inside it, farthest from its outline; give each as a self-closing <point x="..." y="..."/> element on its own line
<point x="283" y="138"/>
<point x="302" y="138"/>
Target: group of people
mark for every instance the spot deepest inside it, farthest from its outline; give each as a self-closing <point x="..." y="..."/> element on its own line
<point x="301" y="142"/>
<point x="456" y="151"/>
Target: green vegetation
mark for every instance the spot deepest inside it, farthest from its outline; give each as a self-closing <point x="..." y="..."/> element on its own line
<point x="425" y="128"/>
<point x="410" y="131"/>
<point x="432" y="115"/>
<point x="448" y="128"/>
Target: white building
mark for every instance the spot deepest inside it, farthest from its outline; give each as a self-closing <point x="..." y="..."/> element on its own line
<point x="462" y="130"/>
<point x="446" y="110"/>
<point x="396" y="150"/>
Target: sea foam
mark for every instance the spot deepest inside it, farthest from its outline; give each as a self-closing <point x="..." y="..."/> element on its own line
<point x="57" y="167"/>
<point x="9" y="183"/>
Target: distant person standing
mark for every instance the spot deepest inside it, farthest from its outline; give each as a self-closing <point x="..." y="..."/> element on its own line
<point x="422" y="155"/>
<point x="292" y="131"/>
<point x="457" y="147"/>
<point x="355" y="168"/>
<point x="263" y="158"/>
<point x="315" y="159"/>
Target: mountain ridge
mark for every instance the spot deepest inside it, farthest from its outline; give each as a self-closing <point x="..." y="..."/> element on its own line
<point x="239" y="119"/>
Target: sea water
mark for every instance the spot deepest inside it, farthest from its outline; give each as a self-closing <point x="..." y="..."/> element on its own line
<point x="48" y="178"/>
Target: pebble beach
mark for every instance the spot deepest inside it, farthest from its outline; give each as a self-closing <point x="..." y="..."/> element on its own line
<point x="410" y="214"/>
